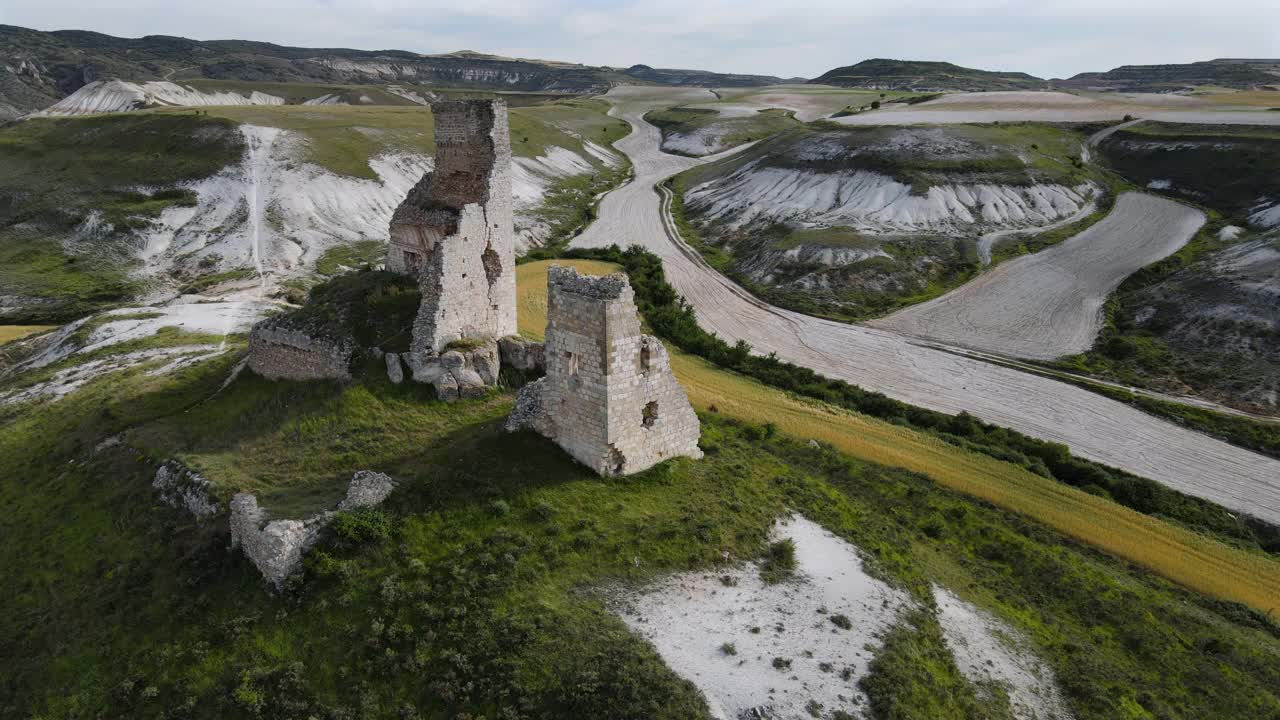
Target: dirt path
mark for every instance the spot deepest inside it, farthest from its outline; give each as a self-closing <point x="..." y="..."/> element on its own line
<point x="1049" y="304"/>
<point x="1093" y="426"/>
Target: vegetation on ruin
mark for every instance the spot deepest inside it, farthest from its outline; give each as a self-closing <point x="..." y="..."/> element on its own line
<point x="370" y="308"/>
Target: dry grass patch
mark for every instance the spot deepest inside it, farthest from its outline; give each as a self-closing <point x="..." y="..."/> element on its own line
<point x="9" y="333"/>
<point x="531" y="300"/>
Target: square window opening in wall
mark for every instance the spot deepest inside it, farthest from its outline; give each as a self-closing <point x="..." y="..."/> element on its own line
<point x="649" y="415"/>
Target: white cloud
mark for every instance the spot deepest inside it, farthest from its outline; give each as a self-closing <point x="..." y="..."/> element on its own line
<point x="800" y="38"/>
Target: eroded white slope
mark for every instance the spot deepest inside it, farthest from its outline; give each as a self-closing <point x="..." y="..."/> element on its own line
<point x="277" y="214"/>
<point x="877" y="203"/>
<point x="104" y="96"/>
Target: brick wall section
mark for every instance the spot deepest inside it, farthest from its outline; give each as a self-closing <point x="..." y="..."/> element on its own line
<point x="278" y="352"/>
<point x="610" y="397"/>
<point x="455" y="229"/>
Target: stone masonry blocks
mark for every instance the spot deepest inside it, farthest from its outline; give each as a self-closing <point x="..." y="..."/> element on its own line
<point x="277" y="352"/>
<point x="609" y="397"/>
<point x="455" y="231"/>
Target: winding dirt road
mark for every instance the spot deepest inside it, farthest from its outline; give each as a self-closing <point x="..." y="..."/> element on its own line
<point x="1093" y="426"/>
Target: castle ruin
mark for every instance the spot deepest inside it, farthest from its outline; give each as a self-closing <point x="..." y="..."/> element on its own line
<point x="609" y="397"/>
<point x="455" y="233"/>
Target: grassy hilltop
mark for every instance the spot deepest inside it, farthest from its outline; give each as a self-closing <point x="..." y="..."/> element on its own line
<point x="481" y="588"/>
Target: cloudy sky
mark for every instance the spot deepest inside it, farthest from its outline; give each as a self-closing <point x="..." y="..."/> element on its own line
<point x="798" y="38"/>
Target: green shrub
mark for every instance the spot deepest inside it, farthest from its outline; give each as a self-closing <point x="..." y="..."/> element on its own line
<point x="779" y="562"/>
<point x="362" y="526"/>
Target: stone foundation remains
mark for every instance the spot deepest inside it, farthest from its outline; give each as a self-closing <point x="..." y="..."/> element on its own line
<point x="522" y="354"/>
<point x="609" y="397"/>
<point x="462" y="373"/>
<point x="276" y="547"/>
<point x="454" y="232"/>
<point x="181" y="488"/>
<point x="279" y="352"/>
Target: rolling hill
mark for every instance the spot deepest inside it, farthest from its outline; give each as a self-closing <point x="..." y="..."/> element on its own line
<point x="1240" y="74"/>
<point x="884" y="74"/>
<point x="39" y="68"/>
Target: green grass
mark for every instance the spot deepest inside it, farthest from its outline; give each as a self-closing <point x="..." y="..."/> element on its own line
<point x="915" y="676"/>
<point x="339" y="138"/>
<point x="297" y="93"/>
<point x="204" y="282"/>
<point x="588" y="119"/>
<point x="368" y="308"/>
<point x="351" y="256"/>
<point x="440" y="604"/>
<point x="836" y="237"/>
<point x="343" y="138"/>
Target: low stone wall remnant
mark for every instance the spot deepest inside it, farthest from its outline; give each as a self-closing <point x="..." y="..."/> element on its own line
<point x="276" y="547"/>
<point x="181" y="488"/>
<point x="278" y="352"/>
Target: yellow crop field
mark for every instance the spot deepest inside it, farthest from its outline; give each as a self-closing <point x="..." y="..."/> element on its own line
<point x="9" y="333"/>
<point x="1180" y="555"/>
<point x="531" y="296"/>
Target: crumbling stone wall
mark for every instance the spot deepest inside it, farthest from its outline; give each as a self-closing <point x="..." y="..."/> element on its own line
<point x="278" y="352"/>
<point x="181" y="488"/>
<point x="455" y="231"/>
<point x="609" y="397"/>
<point x="276" y="547"/>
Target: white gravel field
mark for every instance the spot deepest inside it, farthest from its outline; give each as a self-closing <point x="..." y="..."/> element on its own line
<point x="1049" y="304"/>
<point x="988" y="651"/>
<point x="690" y="617"/>
<point x="885" y="361"/>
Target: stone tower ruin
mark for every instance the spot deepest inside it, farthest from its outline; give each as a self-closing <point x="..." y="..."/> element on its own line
<point x="609" y="397"/>
<point x="454" y="230"/>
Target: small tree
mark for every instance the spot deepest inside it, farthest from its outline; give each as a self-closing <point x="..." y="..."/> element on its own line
<point x="875" y="104"/>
